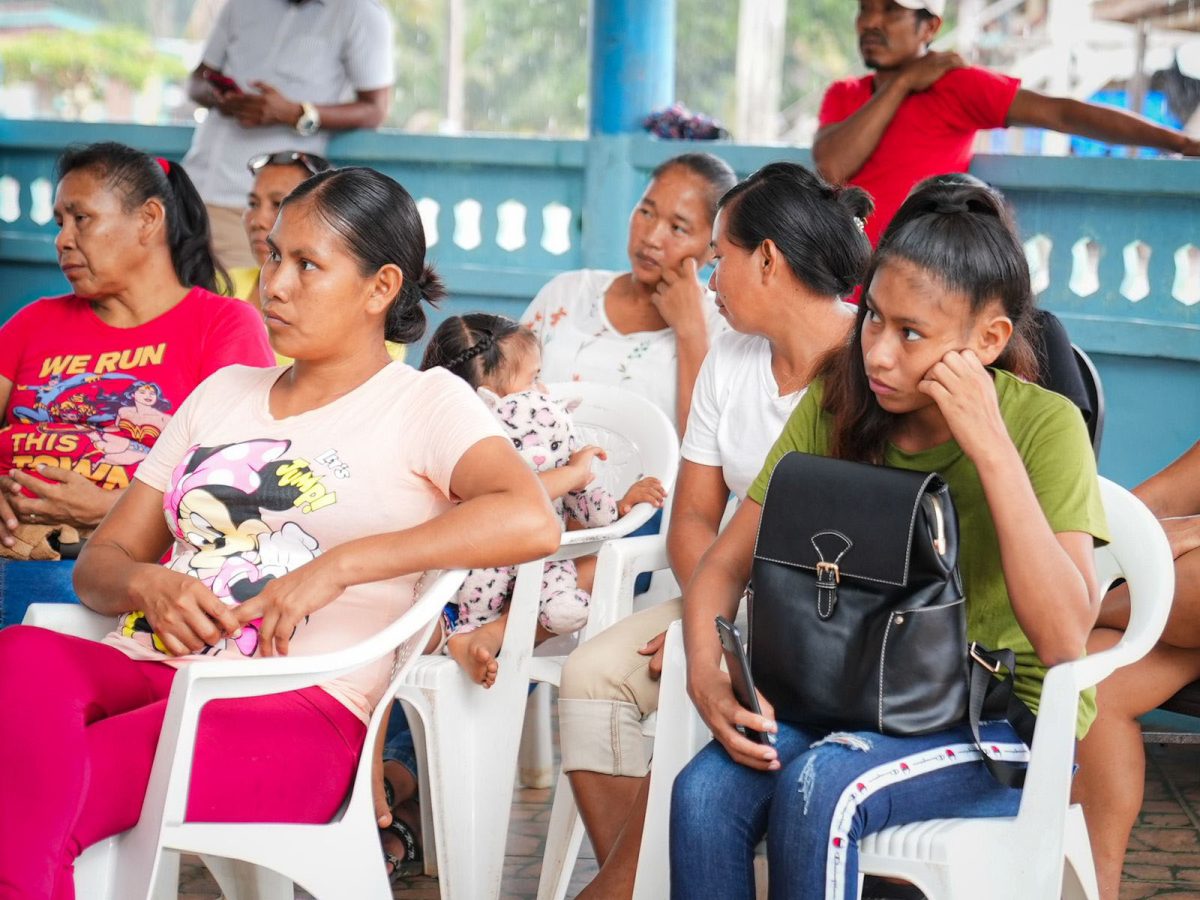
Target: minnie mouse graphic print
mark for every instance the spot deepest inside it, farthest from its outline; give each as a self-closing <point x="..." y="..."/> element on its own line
<point x="249" y="498"/>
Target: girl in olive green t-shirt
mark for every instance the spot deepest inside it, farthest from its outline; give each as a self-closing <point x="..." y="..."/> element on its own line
<point x="932" y="379"/>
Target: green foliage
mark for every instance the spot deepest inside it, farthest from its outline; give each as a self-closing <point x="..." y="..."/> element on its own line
<point x="525" y="64"/>
<point x="420" y="49"/>
<point x="65" y="60"/>
<point x="821" y="47"/>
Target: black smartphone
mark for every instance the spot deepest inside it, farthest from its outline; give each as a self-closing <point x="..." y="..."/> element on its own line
<point x="739" y="675"/>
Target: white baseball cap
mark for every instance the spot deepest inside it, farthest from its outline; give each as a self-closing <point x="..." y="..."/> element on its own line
<point x="935" y="7"/>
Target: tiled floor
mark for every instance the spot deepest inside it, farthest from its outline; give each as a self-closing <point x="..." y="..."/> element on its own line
<point x="1163" y="860"/>
<point x="1164" y="852"/>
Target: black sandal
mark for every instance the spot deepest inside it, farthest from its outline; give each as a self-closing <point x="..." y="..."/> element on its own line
<point x="413" y="862"/>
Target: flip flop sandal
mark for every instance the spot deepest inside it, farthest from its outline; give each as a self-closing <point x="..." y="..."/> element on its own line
<point x="413" y="862"/>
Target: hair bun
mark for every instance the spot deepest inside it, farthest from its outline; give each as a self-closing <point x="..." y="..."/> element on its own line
<point x="855" y="201"/>
<point x="430" y="284"/>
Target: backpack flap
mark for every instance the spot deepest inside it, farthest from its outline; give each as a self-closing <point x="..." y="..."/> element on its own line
<point x="839" y="520"/>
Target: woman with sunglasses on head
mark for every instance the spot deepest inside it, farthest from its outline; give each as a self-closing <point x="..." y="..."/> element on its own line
<point x="133" y="242"/>
<point x="275" y="176"/>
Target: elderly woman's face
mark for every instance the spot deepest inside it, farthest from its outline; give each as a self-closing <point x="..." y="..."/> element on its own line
<point x="97" y="238"/>
<point x="671" y="223"/>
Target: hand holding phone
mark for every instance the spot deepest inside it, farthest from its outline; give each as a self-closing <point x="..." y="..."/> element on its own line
<point x="221" y="83"/>
<point x="740" y="677"/>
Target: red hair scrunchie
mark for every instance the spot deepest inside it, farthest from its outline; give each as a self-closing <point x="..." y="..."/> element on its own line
<point x="163" y="164"/>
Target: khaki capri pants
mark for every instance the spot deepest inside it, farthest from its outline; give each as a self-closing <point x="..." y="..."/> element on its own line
<point x="606" y="693"/>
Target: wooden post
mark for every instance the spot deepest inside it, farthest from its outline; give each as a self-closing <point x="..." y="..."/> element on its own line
<point x="761" y="29"/>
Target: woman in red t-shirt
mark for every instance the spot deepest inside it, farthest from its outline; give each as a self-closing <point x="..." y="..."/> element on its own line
<point x="88" y="380"/>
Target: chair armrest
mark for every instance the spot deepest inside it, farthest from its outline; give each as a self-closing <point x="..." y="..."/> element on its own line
<point x="570" y="546"/>
<point x="197" y="684"/>
<point x="288" y="673"/>
<point x="617" y="568"/>
<point x="69" y="618"/>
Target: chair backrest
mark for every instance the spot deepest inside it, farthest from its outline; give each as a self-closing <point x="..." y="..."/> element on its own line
<point x="1138" y="552"/>
<point x="637" y="436"/>
<point x="1095" y="392"/>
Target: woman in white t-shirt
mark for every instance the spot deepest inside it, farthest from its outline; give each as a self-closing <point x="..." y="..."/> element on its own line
<point x="647" y="329"/>
<point x="301" y="506"/>
<point x="787" y="248"/>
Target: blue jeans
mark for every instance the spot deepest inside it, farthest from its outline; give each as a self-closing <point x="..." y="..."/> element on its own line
<point x="830" y="792"/>
<point x="398" y="743"/>
<point x="25" y="581"/>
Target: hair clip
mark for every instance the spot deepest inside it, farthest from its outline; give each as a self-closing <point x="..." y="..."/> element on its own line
<point x="861" y="224"/>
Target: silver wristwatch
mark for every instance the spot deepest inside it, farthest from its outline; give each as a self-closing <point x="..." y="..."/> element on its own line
<point x="309" y="122"/>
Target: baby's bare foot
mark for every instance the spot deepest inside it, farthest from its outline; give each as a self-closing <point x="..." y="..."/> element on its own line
<point x="476" y="652"/>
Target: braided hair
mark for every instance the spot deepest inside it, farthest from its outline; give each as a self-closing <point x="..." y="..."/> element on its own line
<point x="477" y="347"/>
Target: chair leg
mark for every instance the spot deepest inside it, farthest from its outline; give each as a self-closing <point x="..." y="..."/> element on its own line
<point x="1079" y="869"/>
<point x="564" y="837"/>
<point x="240" y="880"/>
<point x="535" y="761"/>
<point x="472" y="767"/>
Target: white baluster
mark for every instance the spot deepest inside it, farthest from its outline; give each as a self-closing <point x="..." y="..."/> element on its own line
<point x="1135" y="285"/>
<point x="510" y="225"/>
<point x="428" y="209"/>
<point x="1085" y="267"/>
<point x="556" y="228"/>
<point x="466" y="224"/>
<point x="10" y="199"/>
<point x="1037" y="253"/>
<point x="41" y="201"/>
<point x="1186" y="288"/>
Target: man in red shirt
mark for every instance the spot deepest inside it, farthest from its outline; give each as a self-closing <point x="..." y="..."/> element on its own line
<point x="918" y="114"/>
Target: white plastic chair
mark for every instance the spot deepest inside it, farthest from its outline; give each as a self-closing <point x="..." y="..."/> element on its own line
<point x="467" y="738"/>
<point x="338" y="859"/>
<point x="944" y="857"/>
<point x="617" y="569"/>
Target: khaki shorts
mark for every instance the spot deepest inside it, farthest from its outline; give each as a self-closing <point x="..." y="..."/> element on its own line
<point x="607" y="692"/>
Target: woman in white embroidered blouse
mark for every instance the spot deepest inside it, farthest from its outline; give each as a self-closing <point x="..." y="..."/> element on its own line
<point x="647" y="329"/>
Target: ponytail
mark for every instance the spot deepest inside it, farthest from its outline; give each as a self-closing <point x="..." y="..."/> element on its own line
<point x="817" y="227"/>
<point x="140" y="177"/>
<point x="189" y="235"/>
<point x="961" y="234"/>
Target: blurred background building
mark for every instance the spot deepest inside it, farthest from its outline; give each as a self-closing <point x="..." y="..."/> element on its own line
<point x="520" y="66"/>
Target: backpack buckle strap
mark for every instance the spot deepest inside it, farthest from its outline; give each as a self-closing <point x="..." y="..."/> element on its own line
<point x="828" y="577"/>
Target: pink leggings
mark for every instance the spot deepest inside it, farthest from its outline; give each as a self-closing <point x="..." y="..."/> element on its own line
<point x="79" y="722"/>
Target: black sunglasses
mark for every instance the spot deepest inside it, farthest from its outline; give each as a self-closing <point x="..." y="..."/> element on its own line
<point x="315" y="164"/>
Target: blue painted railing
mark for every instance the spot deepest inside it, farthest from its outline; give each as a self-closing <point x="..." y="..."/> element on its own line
<point x="1112" y="241"/>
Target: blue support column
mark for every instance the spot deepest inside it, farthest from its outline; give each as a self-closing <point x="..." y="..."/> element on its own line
<point x="632" y="60"/>
<point x="632" y="72"/>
